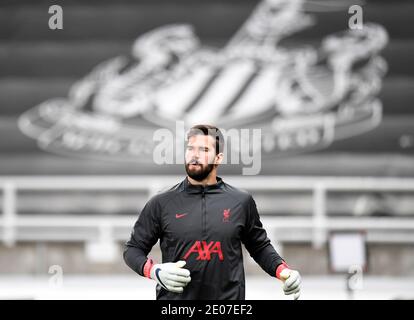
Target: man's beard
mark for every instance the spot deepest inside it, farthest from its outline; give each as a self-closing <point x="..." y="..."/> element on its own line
<point x="200" y="172"/>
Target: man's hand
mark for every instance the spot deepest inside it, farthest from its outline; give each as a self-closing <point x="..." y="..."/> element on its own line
<point x="292" y="281"/>
<point x="171" y="276"/>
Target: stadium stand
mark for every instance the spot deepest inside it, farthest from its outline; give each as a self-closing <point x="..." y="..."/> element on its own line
<point x="51" y="202"/>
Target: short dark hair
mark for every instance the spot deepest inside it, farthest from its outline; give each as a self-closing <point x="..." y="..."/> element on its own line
<point x="208" y="130"/>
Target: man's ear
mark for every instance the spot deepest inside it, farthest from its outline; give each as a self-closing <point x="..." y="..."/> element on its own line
<point x="219" y="158"/>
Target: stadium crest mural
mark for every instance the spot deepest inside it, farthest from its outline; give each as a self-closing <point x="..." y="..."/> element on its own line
<point x="302" y="98"/>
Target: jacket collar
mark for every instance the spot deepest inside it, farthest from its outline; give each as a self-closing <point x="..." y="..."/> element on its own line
<point x="191" y="188"/>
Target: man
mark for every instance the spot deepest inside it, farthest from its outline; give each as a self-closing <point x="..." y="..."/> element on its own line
<point x="201" y="224"/>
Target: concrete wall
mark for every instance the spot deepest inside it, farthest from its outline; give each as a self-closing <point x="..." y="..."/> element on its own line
<point x="36" y="258"/>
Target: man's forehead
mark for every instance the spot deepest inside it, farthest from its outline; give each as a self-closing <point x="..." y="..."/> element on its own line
<point x="201" y="140"/>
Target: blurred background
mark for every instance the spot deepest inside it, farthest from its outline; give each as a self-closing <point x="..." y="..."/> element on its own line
<point x="79" y="104"/>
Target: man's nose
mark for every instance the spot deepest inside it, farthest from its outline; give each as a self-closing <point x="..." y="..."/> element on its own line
<point x="195" y="154"/>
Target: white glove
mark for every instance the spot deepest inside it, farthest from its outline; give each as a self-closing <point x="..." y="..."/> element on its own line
<point x="292" y="281"/>
<point x="171" y="275"/>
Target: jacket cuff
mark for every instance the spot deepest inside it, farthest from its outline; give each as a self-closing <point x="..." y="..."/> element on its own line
<point x="280" y="268"/>
<point x="146" y="270"/>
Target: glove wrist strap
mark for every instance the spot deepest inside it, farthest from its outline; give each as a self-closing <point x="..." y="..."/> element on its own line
<point x="280" y="268"/>
<point x="147" y="268"/>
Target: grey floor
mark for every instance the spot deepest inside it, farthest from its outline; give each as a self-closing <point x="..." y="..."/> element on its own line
<point x="257" y="288"/>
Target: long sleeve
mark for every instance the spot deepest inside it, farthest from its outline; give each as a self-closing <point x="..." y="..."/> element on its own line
<point x="144" y="236"/>
<point x="257" y="243"/>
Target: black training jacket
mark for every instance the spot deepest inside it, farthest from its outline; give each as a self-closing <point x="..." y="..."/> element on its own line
<point x="205" y="226"/>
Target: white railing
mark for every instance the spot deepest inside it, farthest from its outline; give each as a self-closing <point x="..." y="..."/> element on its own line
<point x="314" y="228"/>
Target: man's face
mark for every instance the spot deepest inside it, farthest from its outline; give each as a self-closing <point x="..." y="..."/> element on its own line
<point x="200" y="156"/>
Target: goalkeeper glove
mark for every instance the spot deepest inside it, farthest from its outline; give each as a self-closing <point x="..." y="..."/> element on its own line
<point x="291" y="279"/>
<point x="171" y="275"/>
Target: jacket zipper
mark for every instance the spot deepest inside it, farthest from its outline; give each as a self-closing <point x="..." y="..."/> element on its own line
<point x="203" y="212"/>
